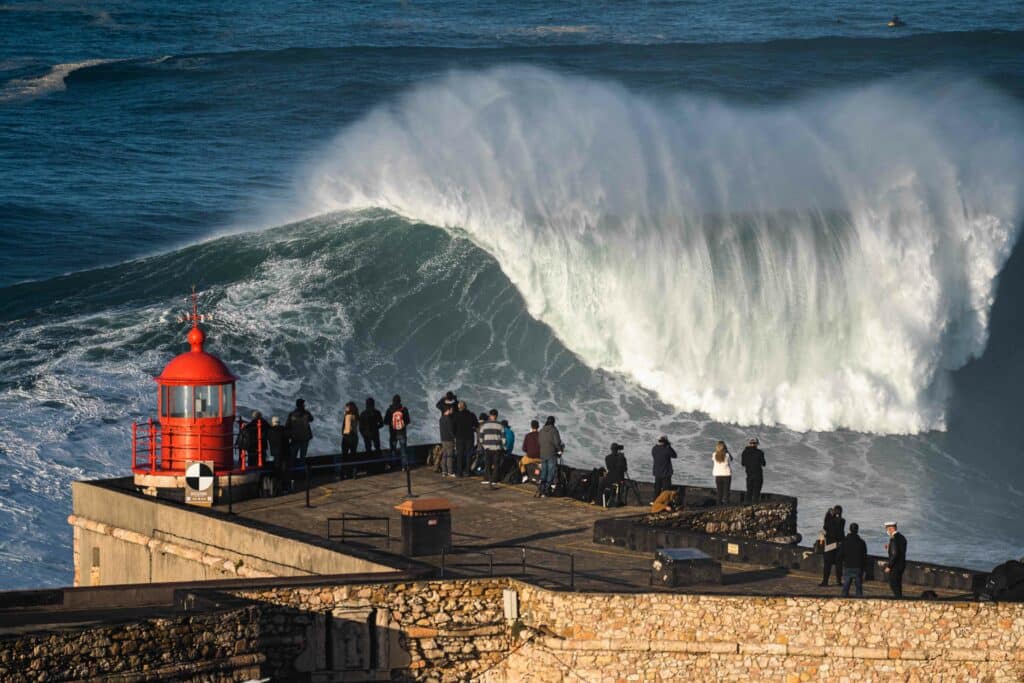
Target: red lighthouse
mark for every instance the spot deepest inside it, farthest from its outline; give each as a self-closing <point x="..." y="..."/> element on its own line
<point x="196" y="423"/>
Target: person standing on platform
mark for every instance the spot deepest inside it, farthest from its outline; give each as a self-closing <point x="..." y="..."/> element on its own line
<point x="492" y="436"/>
<point x="897" y="549"/>
<point x="446" y="428"/>
<point x="616" y="471"/>
<point x="370" y="422"/>
<point x="531" y="450"/>
<point x="507" y="471"/>
<point x="753" y="462"/>
<point x="349" y="435"/>
<point x="298" y="425"/>
<point x="721" y="469"/>
<point x="663" y="454"/>
<point x="277" y="442"/>
<point x="835" y="528"/>
<point x="465" y="430"/>
<point x="448" y="401"/>
<point x="551" y="448"/>
<point x="855" y="561"/>
<point x="397" y="419"/>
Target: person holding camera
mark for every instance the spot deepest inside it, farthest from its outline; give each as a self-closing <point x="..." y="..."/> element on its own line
<point x="615" y="468"/>
<point x="835" y="528"/>
<point x="662" y="454"/>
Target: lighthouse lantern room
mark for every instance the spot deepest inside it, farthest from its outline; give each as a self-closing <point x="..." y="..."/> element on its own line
<point x="196" y="422"/>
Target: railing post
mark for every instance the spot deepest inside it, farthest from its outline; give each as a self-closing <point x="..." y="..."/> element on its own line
<point x="522" y="571"/>
<point x="241" y="458"/>
<point x="152" y="446"/>
<point x="442" y="562"/>
<point x="306" y="462"/>
<point x="259" y="443"/>
<point x="135" y="442"/>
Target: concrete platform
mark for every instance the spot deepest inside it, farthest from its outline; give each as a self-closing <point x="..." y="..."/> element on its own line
<point x="485" y="518"/>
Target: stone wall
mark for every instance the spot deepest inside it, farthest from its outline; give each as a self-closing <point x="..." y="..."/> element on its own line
<point x="664" y="637"/>
<point x="447" y="631"/>
<point x="763" y="521"/>
<point x="224" y="646"/>
<point x="440" y="631"/>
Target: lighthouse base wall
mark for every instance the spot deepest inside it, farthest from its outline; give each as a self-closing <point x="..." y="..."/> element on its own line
<point x="121" y="538"/>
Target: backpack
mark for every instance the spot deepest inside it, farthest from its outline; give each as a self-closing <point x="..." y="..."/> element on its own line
<point x="398" y="419"/>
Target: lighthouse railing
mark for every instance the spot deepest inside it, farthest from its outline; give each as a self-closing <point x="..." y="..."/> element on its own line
<point x="160" y="449"/>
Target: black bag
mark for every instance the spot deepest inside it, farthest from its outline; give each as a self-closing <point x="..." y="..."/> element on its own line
<point x="1005" y="583"/>
<point x="579" y="485"/>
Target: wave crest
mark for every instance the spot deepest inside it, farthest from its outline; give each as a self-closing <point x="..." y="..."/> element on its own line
<point x="819" y="264"/>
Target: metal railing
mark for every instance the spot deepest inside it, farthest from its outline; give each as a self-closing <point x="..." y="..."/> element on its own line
<point x="523" y="563"/>
<point x="359" y="533"/>
<point x="156" y="449"/>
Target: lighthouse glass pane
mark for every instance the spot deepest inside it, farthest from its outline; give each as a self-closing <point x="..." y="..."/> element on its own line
<point x="180" y="403"/>
<point x="206" y="401"/>
<point x="227" y="396"/>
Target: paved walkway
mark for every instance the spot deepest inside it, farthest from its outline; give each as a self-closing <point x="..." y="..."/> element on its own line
<point x="512" y="515"/>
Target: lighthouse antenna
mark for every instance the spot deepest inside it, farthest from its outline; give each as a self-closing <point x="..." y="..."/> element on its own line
<point x="195" y="308"/>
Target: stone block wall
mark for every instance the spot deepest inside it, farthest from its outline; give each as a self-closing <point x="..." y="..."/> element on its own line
<point x="668" y="637"/>
<point x="763" y="521"/>
<point x="212" y="647"/>
<point x="439" y="631"/>
<point x="447" y="631"/>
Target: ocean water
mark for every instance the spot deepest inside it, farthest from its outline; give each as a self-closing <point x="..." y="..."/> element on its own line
<point x="702" y="219"/>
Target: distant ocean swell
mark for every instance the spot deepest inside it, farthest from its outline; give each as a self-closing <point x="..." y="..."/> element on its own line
<point x="819" y="264"/>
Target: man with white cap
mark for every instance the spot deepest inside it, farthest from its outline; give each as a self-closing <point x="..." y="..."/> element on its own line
<point x="897" y="549"/>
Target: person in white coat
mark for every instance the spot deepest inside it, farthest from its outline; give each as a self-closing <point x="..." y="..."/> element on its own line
<point x="721" y="460"/>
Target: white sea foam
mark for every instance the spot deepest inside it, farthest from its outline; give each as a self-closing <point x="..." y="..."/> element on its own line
<point x="19" y="89"/>
<point x="819" y="264"/>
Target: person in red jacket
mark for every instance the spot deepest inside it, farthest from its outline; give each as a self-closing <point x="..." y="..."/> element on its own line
<point x="531" y="449"/>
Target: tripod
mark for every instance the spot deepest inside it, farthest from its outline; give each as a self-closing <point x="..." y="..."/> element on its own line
<point x="626" y="487"/>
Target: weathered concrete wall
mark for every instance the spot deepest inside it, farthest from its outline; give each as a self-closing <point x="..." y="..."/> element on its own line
<point x="763" y="521"/>
<point x="669" y="637"/>
<point x="122" y="538"/>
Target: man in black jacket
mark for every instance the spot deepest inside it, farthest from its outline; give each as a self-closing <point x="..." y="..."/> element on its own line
<point x="299" y="430"/>
<point x="370" y="422"/>
<point x="615" y="466"/>
<point x="753" y="462"/>
<point x="465" y="431"/>
<point x="855" y="560"/>
<point x="662" y="454"/>
<point x="835" y="528"/>
<point x="446" y="427"/>
<point x="897" y="549"/>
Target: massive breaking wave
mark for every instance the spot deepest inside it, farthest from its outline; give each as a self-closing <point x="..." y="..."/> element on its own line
<point x="819" y="264"/>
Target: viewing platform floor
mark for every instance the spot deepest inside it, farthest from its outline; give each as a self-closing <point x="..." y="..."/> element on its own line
<point x="511" y="515"/>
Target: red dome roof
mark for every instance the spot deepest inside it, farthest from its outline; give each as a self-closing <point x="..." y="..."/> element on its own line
<point x="196" y="367"/>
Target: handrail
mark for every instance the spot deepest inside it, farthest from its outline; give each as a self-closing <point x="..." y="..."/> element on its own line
<point x="448" y="551"/>
<point x="362" y="534"/>
<point x="150" y="440"/>
<point x="523" y="563"/>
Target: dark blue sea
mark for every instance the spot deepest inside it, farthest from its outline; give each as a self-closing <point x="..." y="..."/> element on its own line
<point x="702" y="219"/>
